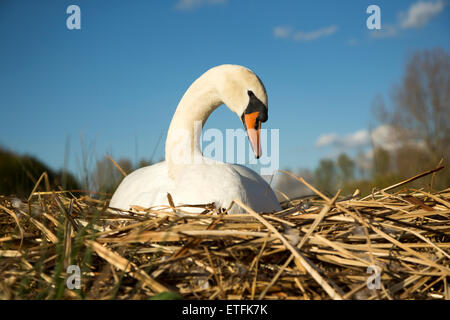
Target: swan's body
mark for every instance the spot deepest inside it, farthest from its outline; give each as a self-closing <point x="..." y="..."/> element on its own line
<point x="186" y="174"/>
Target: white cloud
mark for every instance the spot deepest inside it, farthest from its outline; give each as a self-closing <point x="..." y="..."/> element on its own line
<point x="391" y="138"/>
<point x="287" y="32"/>
<point x="312" y="35"/>
<point x="385" y="136"/>
<point x="282" y="32"/>
<point x="359" y="138"/>
<point x="191" y="4"/>
<point x="417" y="16"/>
<point x="420" y="13"/>
<point x="327" y="139"/>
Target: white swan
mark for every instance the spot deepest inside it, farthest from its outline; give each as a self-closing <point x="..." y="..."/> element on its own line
<point x="191" y="178"/>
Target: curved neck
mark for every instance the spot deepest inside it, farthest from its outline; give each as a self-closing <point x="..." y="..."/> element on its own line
<point x="183" y="138"/>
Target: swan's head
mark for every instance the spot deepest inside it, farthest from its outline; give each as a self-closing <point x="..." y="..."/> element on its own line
<point x="243" y="92"/>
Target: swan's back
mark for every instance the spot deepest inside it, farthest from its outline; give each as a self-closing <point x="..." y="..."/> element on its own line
<point x="259" y="194"/>
<point x="222" y="183"/>
<point x="145" y="187"/>
<point x="218" y="183"/>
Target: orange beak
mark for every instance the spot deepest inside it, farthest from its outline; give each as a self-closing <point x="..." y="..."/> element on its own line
<point x="253" y="126"/>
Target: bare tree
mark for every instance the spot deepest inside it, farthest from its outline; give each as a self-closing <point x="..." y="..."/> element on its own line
<point x="420" y="115"/>
<point x="422" y="101"/>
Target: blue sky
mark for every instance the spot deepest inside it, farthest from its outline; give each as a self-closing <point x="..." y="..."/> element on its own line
<point x="117" y="81"/>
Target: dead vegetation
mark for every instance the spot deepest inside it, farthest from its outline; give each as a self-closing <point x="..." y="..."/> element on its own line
<point x="317" y="247"/>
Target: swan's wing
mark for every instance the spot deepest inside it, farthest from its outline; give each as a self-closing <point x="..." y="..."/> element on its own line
<point x="204" y="183"/>
<point x="145" y="187"/>
<point x="258" y="193"/>
<point x="220" y="183"/>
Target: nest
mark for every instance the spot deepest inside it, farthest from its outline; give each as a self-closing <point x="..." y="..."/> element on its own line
<point x="392" y="244"/>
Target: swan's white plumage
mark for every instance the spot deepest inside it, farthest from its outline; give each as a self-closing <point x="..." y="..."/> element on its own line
<point x="206" y="181"/>
<point x="217" y="183"/>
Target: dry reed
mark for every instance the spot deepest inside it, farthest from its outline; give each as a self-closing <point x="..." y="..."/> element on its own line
<point x="315" y="248"/>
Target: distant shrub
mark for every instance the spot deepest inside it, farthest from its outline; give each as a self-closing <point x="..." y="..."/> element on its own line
<point x="19" y="174"/>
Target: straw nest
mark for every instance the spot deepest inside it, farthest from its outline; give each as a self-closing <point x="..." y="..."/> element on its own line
<point x="317" y="247"/>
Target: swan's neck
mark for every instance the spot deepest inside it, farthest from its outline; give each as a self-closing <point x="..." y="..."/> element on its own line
<point x="183" y="138"/>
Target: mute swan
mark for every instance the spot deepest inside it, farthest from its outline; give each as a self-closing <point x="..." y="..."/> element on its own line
<point x="191" y="178"/>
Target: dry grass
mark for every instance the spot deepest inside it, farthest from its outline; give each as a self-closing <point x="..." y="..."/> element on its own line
<point x="315" y="248"/>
